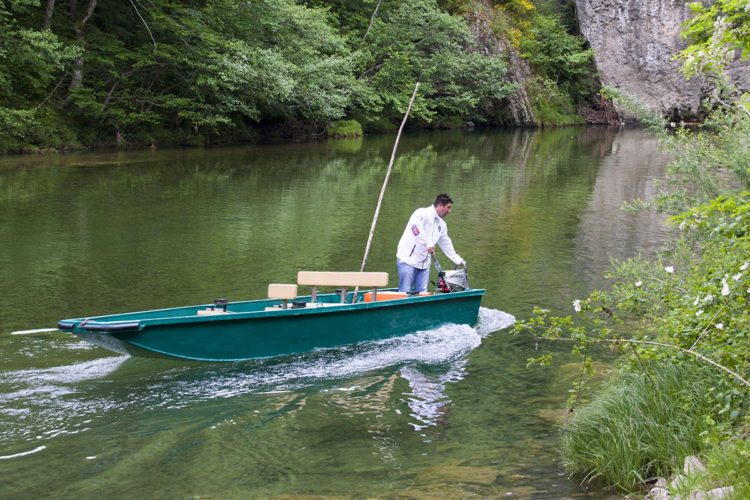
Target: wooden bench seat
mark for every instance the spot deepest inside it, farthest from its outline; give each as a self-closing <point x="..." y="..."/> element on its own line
<point x="343" y="279"/>
<point x="282" y="291"/>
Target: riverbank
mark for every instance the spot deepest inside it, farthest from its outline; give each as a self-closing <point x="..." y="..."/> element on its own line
<point x="680" y="322"/>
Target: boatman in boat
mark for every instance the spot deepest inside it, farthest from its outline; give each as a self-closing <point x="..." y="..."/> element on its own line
<point x="426" y="228"/>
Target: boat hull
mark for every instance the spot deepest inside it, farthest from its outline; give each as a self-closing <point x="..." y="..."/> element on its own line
<point x="260" y="329"/>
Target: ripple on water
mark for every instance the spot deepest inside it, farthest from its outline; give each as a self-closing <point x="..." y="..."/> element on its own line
<point x="65" y="399"/>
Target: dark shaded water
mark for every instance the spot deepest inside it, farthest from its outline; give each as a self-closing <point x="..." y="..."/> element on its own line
<point x="449" y="413"/>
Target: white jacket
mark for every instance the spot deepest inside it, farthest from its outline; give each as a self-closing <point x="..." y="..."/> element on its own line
<point x="425" y="229"/>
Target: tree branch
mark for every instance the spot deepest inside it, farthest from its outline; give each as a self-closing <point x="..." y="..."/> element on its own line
<point x="53" y="91"/>
<point x="144" y="23"/>
<point x="669" y="346"/>
<point x="372" y="19"/>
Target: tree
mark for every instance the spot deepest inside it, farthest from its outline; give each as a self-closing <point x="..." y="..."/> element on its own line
<point x="714" y="33"/>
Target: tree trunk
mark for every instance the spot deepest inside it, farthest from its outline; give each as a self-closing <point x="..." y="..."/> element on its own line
<point x="77" y="79"/>
<point x="48" y="14"/>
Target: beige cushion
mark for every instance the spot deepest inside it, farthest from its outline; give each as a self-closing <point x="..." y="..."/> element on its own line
<point x="342" y="278"/>
<point x="280" y="291"/>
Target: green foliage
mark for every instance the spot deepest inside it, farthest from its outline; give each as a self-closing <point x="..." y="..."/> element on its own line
<point x="714" y="32"/>
<point x="31" y="62"/>
<point x="545" y="34"/>
<point x="641" y="426"/>
<point x="131" y="72"/>
<point x="413" y="41"/>
<point x="552" y="106"/>
<point x="344" y="128"/>
<point x="561" y="57"/>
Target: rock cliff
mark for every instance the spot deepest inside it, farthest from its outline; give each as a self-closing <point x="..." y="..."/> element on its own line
<point x="518" y="111"/>
<point x="634" y="42"/>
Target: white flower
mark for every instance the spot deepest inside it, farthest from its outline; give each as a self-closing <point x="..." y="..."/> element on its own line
<point x="638" y="283"/>
<point x="737" y="276"/>
<point x="699" y="312"/>
<point x="720" y="326"/>
<point x="743" y="266"/>
<point x="708" y="298"/>
<point x="577" y="305"/>
<point x="669" y="269"/>
<point x="725" y="287"/>
<point x="697" y="299"/>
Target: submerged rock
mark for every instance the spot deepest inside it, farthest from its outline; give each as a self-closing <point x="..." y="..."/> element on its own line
<point x="458" y="474"/>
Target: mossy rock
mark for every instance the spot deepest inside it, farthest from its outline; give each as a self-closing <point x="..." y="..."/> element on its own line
<point x="344" y="128"/>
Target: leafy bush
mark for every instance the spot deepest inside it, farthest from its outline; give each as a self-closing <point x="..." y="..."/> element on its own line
<point x="559" y="56"/>
<point x="344" y="128"/>
<point x="551" y="105"/>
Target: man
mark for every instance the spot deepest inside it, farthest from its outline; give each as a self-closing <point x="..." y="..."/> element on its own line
<point x="425" y="229"/>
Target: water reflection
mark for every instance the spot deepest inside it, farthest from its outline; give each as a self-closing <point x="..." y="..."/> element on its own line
<point x="427" y="399"/>
<point x="628" y="171"/>
<point x="536" y="216"/>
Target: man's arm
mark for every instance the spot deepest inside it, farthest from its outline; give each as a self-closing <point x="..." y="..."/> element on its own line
<point x="446" y="245"/>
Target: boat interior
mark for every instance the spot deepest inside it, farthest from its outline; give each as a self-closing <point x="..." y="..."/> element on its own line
<point x="282" y="296"/>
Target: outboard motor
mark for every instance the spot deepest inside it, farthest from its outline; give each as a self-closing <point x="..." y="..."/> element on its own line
<point x="456" y="280"/>
<point x="450" y="281"/>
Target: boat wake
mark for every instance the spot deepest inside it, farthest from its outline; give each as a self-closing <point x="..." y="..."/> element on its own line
<point x="37" y="404"/>
<point x="492" y="320"/>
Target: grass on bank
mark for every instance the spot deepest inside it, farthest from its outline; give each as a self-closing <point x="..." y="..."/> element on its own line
<point x="727" y="464"/>
<point x="641" y="427"/>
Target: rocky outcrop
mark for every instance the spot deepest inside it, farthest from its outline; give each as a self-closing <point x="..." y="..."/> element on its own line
<point x="480" y="20"/>
<point x="634" y="42"/>
<point x="693" y="467"/>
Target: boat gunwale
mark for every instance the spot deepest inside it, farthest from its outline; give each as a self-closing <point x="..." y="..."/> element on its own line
<point x="96" y="325"/>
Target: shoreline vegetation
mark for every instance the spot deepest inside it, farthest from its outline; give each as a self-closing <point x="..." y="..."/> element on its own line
<point x="87" y="74"/>
<point x="674" y="419"/>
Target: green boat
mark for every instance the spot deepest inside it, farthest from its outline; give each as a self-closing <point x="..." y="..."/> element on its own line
<point x="282" y="324"/>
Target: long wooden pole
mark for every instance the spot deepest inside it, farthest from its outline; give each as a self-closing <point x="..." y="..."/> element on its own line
<point x="385" y="183"/>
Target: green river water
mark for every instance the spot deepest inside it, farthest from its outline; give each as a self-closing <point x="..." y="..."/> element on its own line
<point x="448" y="413"/>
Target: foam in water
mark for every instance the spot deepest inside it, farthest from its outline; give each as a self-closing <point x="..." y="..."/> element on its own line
<point x="80" y="392"/>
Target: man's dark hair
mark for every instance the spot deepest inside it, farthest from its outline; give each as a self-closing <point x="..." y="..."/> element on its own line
<point x="442" y="199"/>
